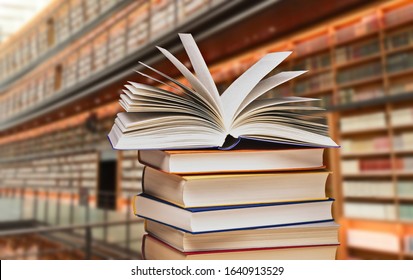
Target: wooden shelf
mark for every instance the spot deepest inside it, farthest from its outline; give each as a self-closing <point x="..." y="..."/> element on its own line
<point x="399" y="49"/>
<point x="316" y="92"/>
<point x="367" y="154"/>
<point x="403" y="152"/>
<point x="383" y="174"/>
<point x="361" y="82"/>
<point x="312" y="73"/>
<point x="369" y="199"/>
<point x="405" y="174"/>
<point x="372" y="254"/>
<point x="402" y="127"/>
<point x="381" y="101"/>
<point x="405" y="199"/>
<point x="358" y="38"/>
<point x="358" y="61"/>
<point x="400" y="73"/>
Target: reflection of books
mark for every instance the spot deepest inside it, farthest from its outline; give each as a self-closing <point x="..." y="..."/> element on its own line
<point x="154" y="249"/>
<point x="219" y="218"/>
<point x="207" y="161"/>
<point x="199" y="116"/>
<point x="233" y="189"/>
<point x="301" y="235"/>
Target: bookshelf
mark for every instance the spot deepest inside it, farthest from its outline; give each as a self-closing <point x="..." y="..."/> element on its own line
<point x="359" y="66"/>
<point x="127" y="30"/>
<point x="57" y="24"/>
<point x="130" y="176"/>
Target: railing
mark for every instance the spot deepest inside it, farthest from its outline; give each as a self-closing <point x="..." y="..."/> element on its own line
<point x="64" y="223"/>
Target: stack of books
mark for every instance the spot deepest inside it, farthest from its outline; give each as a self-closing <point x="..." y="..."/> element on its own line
<point x="227" y="176"/>
<point x="238" y="204"/>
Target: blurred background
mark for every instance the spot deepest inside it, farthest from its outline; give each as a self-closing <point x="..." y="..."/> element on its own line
<point x="65" y="194"/>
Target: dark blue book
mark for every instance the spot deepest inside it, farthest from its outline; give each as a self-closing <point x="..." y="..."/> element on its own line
<point x="234" y="217"/>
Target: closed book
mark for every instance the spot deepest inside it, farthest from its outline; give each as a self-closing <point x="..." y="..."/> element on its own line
<point x="233" y="189"/>
<point x="154" y="249"/>
<point x="245" y="160"/>
<point x="298" y="235"/>
<point x="220" y="218"/>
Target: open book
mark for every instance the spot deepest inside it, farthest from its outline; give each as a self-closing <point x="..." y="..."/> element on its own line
<point x="200" y="117"/>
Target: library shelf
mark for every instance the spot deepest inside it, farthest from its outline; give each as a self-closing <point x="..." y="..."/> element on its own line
<point x="405" y="199"/>
<point x="399" y="49"/>
<point x="369" y="199"/>
<point x="358" y="61"/>
<point x="403" y="152"/>
<point x="366" y="154"/>
<point x="379" y="174"/>
<point x="362" y="81"/>
<point x="405" y="72"/>
<point x="318" y="92"/>
<point x="316" y="48"/>
<point x="315" y="72"/>
<point x="402" y="127"/>
<point x="371" y="254"/>
<point x="378" y="101"/>
<point x="364" y="132"/>
<point x="358" y="38"/>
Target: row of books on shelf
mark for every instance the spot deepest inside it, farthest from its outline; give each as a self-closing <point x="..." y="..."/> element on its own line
<point x="378" y="189"/>
<point x="361" y="72"/>
<point x="73" y="140"/>
<point x="399" y="39"/>
<point x="314" y="83"/>
<point x="75" y="71"/>
<point x="401" y="142"/>
<point x="71" y="182"/>
<point x="401" y="117"/>
<point x="379" y="211"/>
<point x="63" y="22"/>
<point x="365" y="145"/>
<point x="313" y="63"/>
<point x="67" y="20"/>
<point x="399" y="15"/>
<point x="62" y="171"/>
<point x="365" y="25"/>
<point x="402" y="165"/>
<point x="401" y="86"/>
<point x="363" y="121"/>
<point x="399" y="62"/>
<point x="131" y="172"/>
<point x="375" y="211"/>
<point x="93" y="56"/>
<point x="376" y="120"/>
<point x="357" y="51"/>
<point x="374" y="240"/>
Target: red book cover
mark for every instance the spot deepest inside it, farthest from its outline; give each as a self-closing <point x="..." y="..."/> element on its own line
<point x="147" y="236"/>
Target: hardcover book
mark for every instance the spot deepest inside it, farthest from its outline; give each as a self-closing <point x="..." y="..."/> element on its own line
<point x="232" y="189"/>
<point x="154" y="249"/>
<point x="221" y="218"/>
<point x="299" y="235"/>
<point x="262" y="158"/>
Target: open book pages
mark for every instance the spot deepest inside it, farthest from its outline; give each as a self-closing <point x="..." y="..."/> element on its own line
<point x="198" y="116"/>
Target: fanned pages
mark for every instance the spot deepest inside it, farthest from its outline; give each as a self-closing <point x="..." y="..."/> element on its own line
<point x="197" y="116"/>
